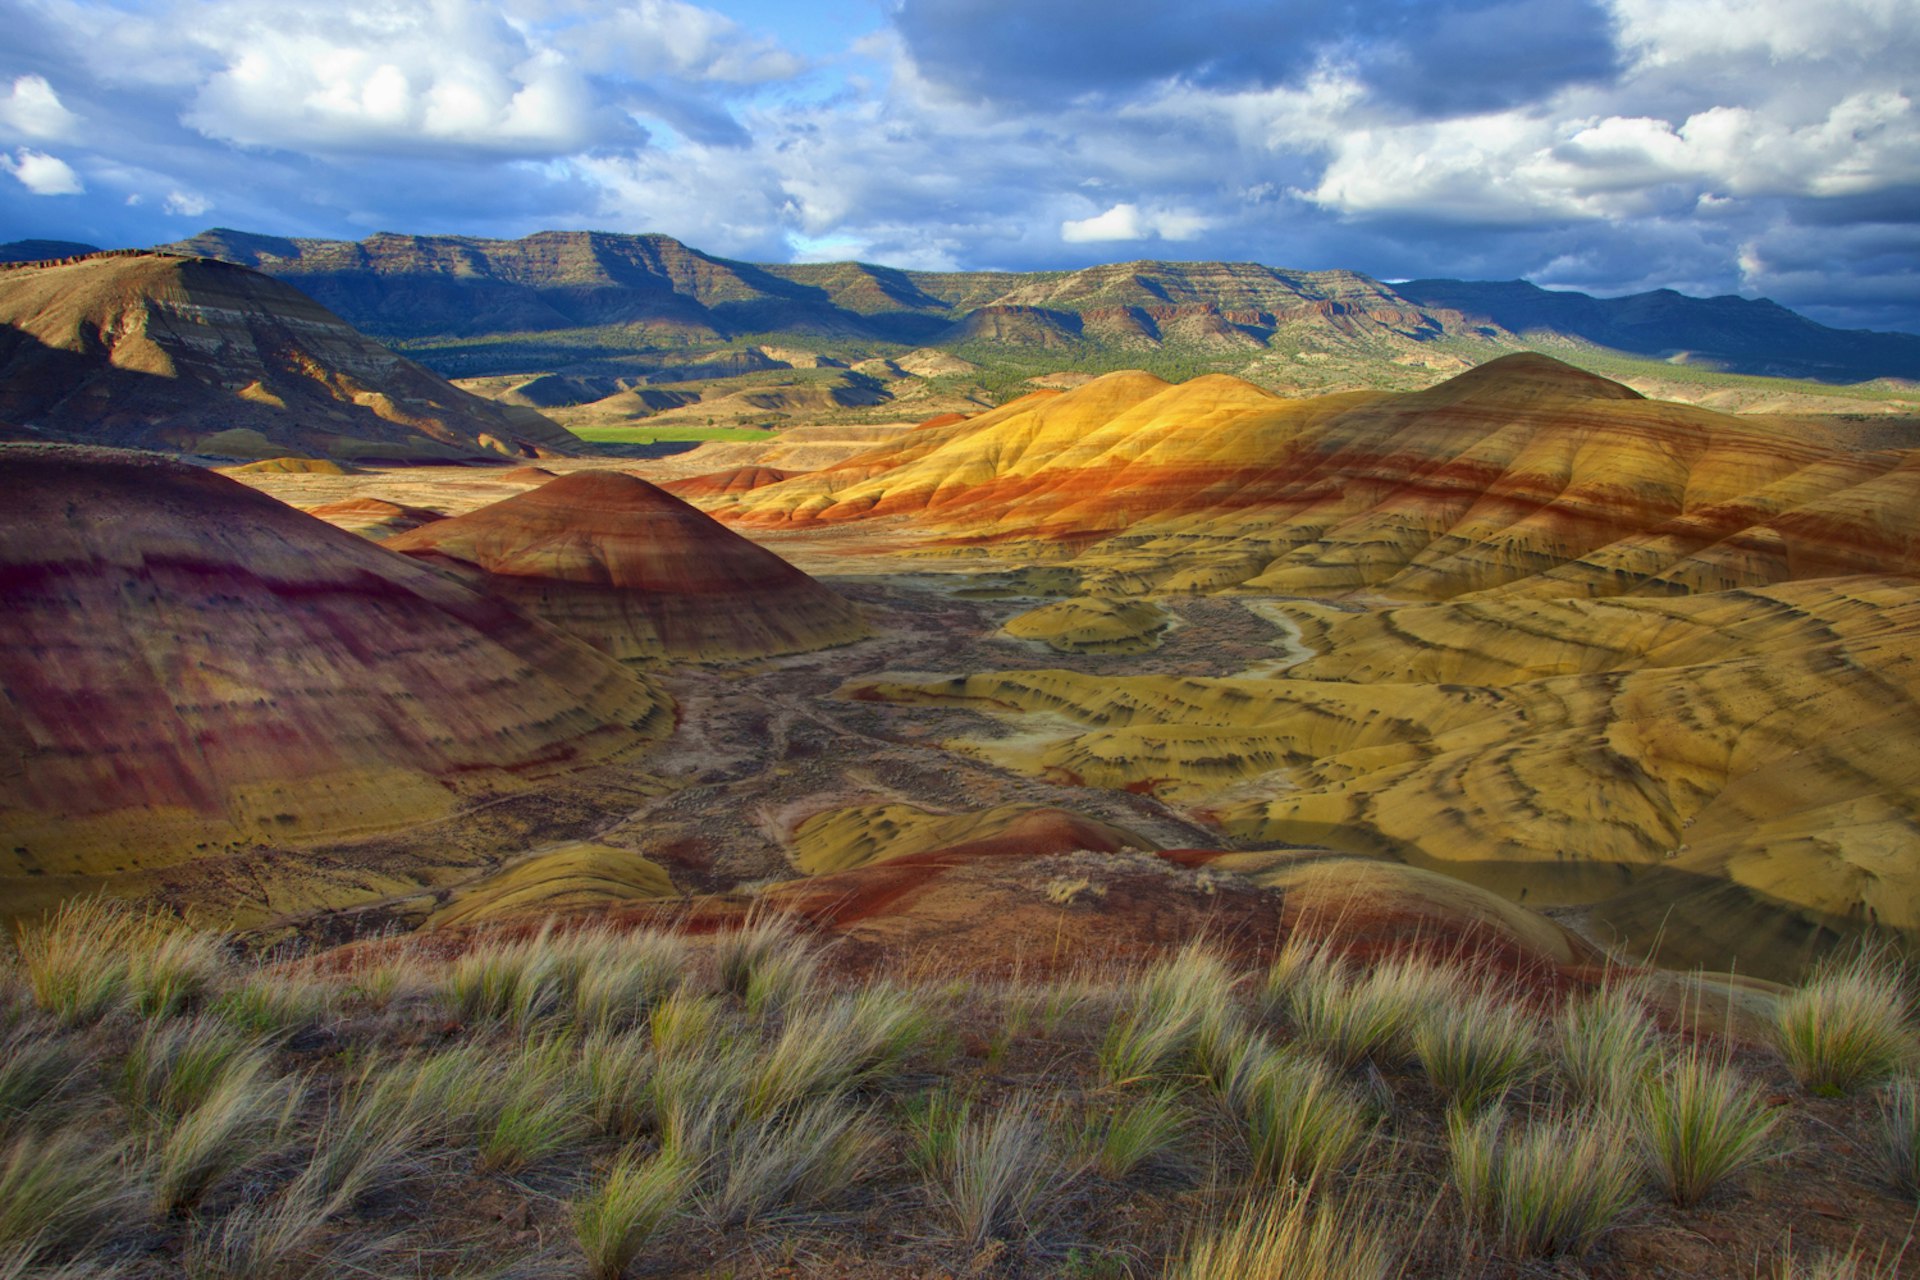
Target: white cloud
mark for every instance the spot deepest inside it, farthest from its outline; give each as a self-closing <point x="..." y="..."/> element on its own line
<point x="32" y="109"/>
<point x="186" y="204"/>
<point x="1131" y="222"/>
<point x="42" y="174"/>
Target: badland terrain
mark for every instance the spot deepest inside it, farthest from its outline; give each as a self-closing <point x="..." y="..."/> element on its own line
<point x="1288" y="638"/>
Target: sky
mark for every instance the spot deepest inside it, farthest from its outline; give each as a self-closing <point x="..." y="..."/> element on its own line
<point x="1769" y="148"/>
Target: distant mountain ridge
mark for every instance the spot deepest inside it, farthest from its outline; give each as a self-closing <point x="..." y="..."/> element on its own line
<point x="652" y="291"/>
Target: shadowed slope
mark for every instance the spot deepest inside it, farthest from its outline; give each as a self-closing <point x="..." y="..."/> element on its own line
<point x="1522" y="475"/>
<point x="166" y="352"/>
<point x="191" y="667"/>
<point x="636" y="572"/>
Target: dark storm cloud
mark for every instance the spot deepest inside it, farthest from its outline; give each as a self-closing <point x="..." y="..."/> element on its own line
<point x="1432" y="57"/>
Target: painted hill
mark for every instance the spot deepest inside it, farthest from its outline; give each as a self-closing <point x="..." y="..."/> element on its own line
<point x="193" y="669"/>
<point x="594" y="294"/>
<point x="160" y="351"/>
<point x="1524" y="475"/>
<point x="637" y="572"/>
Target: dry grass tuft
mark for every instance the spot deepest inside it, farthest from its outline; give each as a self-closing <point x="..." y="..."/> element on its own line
<point x="1553" y="1187"/>
<point x="1701" y="1123"/>
<point x="1847" y="1027"/>
<point x="628" y="1207"/>
<point x="1299" y="1235"/>
<point x="990" y="1175"/>
<point x="1608" y="1047"/>
<point x="1476" y="1050"/>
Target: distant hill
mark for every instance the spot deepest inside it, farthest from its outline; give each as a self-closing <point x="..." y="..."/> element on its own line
<point x="578" y="299"/>
<point x="160" y="351"/>
<point x="43" y="250"/>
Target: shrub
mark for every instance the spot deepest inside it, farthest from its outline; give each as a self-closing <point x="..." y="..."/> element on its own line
<point x="1701" y="1123"/>
<point x="1847" y="1027"/>
<point x="1475" y="1050"/>
<point x="626" y="1209"/>
<point x="1552" y="1188"/>
<point x="1296" y="1236"/>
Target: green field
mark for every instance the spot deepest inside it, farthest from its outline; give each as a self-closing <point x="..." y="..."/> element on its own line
<point x="655" y="435"/>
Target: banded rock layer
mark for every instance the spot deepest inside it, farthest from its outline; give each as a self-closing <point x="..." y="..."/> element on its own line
<point x="191" y="667"/>
<point x="636" y="572"/>
<point x="1524" y="476"/>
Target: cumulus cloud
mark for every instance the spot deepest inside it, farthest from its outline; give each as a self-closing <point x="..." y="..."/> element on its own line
<point x="1131" y="222"/>
<point x="32" y="109"/>
<point x="1611" y="145"/>
<point x="42" y="174"/>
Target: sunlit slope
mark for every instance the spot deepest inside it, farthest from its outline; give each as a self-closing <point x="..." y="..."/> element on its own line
<point x="636" y="572"/>
<point x="166" y="352"/>
<point x="1090" y="624"/>
<point x="1521" y="476"/>
<point x="842" y="839"/>
<point x="191" y="667"/>
<point x="1663" y="758"/>
<point x="572" y="878"/>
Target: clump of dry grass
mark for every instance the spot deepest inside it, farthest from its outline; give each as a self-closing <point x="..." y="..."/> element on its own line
<point x="1165" y="1015"/>
<point x="1552" y="1187"/>
<point x="1299" y="1235"/>
<point x="1299" y="1122"/>
<point x="1135" y="1130"/>
<point x="626" y="1208"/>
<point x="1608" y="1047"/>
<point x="538" y="1108"/>
<point x="56" y="1191"/>
<point x="1701" y="1123"/>
<point x="1476" y="1049"/>
<point x="91" y="957"/>
<point x="243" y="1115"/>
<point x="803" y="1156"/>
<point x="1899" y="1136"/>
<point x="990" y="1175"/>
<point x="1847" y="1027"/>
<point x="35" y="1070"/>
<point x="766" y="941"/>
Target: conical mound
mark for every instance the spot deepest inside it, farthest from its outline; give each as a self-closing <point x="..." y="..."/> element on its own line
<point x="637" y="572"/>
<point x="192" y="668"/>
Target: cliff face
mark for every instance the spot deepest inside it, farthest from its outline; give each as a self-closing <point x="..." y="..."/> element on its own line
<point x="160" y="351"/>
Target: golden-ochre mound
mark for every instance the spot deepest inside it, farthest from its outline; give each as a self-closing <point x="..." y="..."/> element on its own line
<point x="572" y="878"/>
<point x="1735" y="776"/>
<point x="1522" y="476"/>
<point x="192" y="668"/>
<point x="290" y="466"/>
<point x="1093" y="625"/>
<point x="161" y="351"/>
<point x="637" y="572"/>
<point x="374" y="518"/>
<point x="841" y="839"/>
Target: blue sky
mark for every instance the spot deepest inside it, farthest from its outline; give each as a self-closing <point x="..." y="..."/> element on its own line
<point x="1760" y="147"/>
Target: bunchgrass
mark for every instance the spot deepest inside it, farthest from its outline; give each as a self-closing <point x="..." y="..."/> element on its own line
<point x="616" y="1071"/>
<point x="242" y="1117"/>
<point x="765" y="939"/>
<point x="1847" y="1027"/>
<point x="1476" y="1049"/>
<point x="34" y="1072"/>
<point x="76" y="959"/>
<point x="1138" y="1128"/>
<point x="171" y="969"/>
<point x="1297" y="1235"/>
<point x="268" y="1004"/>
<point x="1299" y="1122"/>
<point x="1899" y="1136"/>
<point x="540" y="1107"/>
<point x="172" y="1067"/>
<point x="1546" y="1188"/>
<point x="628" y="975"/>
<point x="1607" y="1048"/>
<point x="55" y="1191"/>
<point x="626" y="1208"/>
<point x="804" y="1156"/>
<point x="1702" y="1123"/>
<point x="1164" y="1015"/>
<point x="994" y="1172"/>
